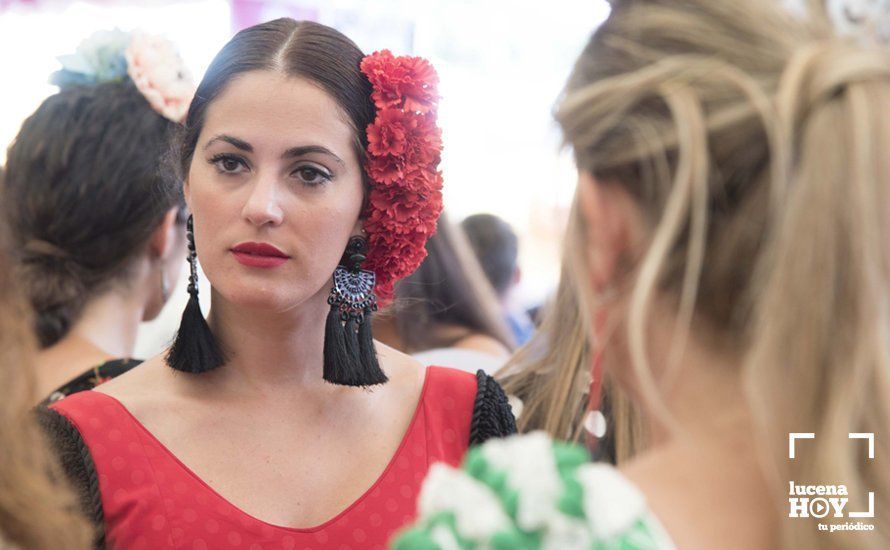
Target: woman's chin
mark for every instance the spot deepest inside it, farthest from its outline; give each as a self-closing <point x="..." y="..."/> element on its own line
<point x="273" y="300"/>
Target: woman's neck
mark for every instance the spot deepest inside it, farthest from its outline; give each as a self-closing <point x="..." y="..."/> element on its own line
<point x="111" y="322"/>
<point x="697" y="384"/>
<point x="105" y="330"/>
<point x="267" y="350"/>
<point x="707" y="449"/>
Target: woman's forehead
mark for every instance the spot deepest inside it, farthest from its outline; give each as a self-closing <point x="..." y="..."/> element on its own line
<point x="270" y="110"/>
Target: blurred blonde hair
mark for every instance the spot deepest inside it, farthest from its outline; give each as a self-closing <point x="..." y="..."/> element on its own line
<point x="756" y="144"/>
<point x="37" y="509"/>
<point x="550" y="374"/>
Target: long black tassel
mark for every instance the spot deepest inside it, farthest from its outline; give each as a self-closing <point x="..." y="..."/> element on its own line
<point x="195" y="349"/>
<point x="350" y="358"/>
<point x="367" y="351"/>
<point x="339" y="364"/>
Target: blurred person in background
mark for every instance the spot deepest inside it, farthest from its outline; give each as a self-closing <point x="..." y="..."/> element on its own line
<point x="497" y="248"/>
<point x="278" y="421"/>
<point x="446" y="312"/>
<point x="37" y="508"/>
<point x="98" y="236"/>
<point x="733" y="275"/>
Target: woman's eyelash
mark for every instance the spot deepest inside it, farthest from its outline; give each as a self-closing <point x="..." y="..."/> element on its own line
<point x="311" y="175"/>
<point x="227" y="163"/>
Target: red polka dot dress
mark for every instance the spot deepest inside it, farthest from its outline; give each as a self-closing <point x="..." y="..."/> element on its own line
<point x="151" y="500"/>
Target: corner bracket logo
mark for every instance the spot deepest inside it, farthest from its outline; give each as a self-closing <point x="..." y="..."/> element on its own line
<point x="828" y="501"/>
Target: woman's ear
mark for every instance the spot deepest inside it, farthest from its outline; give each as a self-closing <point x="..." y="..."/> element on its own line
<point x="163" y="239"/>
<point x="612" y="224"/>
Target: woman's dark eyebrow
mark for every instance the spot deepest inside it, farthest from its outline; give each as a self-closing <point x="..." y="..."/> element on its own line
<point x="240" y="144"/>
<point x="306" y="149"/>
<point x="290" y="153"/>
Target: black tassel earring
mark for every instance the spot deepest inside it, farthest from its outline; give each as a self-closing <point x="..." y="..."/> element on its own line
<point x="349" y="355"/>
<point x="195" y="349"/>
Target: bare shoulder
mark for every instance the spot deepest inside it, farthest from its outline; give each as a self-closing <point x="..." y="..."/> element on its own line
<point x="402" y="369"/>
<point x="148" y="383"/>
<point x="681" y="486"/>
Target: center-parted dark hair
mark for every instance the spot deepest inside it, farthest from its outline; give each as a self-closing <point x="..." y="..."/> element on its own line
<point x="83" y="193"/>
<point x="302" y="49"/>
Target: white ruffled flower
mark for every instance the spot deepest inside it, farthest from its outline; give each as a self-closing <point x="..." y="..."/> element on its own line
<point x="530" y="467"/>
<point x="611" y="504"/>
<point x="447" y="489"/>
<point x="444" y="538"/>
<point x="613" y="507"/>
<point x="564" y="532"/>
<point x="614" y="511"/>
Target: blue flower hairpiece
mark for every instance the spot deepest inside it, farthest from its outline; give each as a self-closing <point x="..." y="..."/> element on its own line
<point x="100" y="58"/>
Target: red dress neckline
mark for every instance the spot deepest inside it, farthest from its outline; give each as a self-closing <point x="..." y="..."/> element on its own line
<point x="187" y="470"/>
<point x="150" y="499"/>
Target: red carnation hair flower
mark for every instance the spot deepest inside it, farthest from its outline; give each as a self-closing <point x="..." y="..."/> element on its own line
<point x="404" y="150"/>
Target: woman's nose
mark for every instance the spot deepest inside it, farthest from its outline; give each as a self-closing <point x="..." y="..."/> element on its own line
<point x="262" y="206"/>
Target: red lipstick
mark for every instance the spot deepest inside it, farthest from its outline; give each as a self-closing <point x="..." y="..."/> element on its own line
<point x="259" y="255"/>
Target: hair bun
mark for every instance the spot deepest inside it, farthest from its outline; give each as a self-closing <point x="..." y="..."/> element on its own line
<point x="56" y="290"/>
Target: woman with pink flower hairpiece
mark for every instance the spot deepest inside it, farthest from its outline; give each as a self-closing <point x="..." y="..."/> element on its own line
<point x="98" y="233"/>
<point x="310" y="172"/>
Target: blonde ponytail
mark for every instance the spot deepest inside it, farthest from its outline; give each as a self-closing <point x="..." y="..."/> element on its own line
<point x="551" y="373"/>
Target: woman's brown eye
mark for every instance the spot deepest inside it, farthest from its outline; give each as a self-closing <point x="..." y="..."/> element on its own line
<point x="312" y="176"/>
<point x="227" y="164"/>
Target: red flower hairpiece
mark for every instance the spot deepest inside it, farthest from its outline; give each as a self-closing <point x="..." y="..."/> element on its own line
<point x="404" y="149"/>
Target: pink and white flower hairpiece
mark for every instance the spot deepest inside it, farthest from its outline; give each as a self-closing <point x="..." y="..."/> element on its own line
<point x="159" y="73"/>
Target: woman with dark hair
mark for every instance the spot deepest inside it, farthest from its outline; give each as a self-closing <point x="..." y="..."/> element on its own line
<point x="277" y="421"/>
<point x="98" y="235"/>
<point x="446" y="312"/>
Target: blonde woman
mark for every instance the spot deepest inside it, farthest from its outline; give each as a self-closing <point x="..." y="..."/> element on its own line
<point x="551" y="373"/>
<point x="733" y="187"/>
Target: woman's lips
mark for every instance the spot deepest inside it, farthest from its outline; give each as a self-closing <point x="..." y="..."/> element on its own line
<point x="259" y="255"/>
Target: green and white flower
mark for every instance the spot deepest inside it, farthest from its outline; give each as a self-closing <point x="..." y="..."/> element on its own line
<point x="528" y="492"/>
